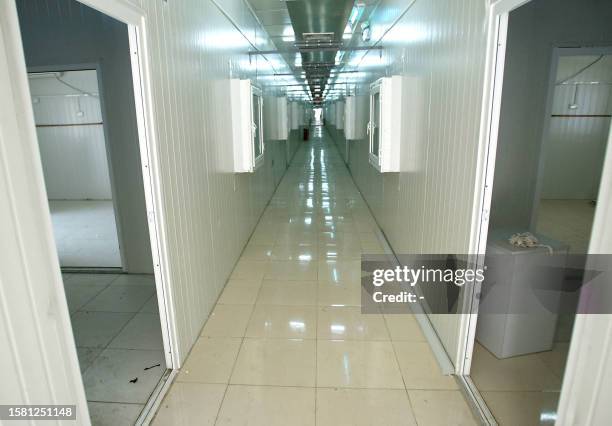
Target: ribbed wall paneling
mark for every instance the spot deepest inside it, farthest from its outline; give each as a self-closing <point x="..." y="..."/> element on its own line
<point x="210" y="212"/>
<point x="73" y="157"/>
<point x="440" y="47"/>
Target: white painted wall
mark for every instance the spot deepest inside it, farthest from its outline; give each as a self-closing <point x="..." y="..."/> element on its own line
<point x="74" y="157"/>
<point x="69" y="33"/>
<point x="38" y="355"/>
<point x="210" y="214"/>
<point x="440" y="47"/>
<point x="534" y="30"/>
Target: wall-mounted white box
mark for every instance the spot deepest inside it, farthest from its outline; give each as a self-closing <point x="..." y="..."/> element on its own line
<point x="385" y="125"/>
<point x="301" y="115"/>
<point x="295" y="115"/>
<point x="331" y="114"/>
<point x="247" y="130"/>
<point x="282" y="117"/>
<point x="340" y="115"/>
<point x="355" y="117"/>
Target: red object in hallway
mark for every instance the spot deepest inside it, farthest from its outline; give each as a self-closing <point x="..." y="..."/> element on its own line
<point x="306" y="132"/>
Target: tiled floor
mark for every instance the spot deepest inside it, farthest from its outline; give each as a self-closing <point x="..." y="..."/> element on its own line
<point x="287" y="344"/>
<point x="569" y="221"/>
<point x="525" y="389"/>
<point x="85" y="233"/>
<point x="116" y="327"/>
<point x="521" y="390"/>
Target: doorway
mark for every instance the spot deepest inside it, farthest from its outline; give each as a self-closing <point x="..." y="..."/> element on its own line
<point x="70" y="129"/>
<point x="87" y="98"/>
<point x="551" y="97"/>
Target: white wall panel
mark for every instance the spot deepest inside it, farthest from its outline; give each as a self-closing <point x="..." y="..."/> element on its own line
<point x="38" y="355"/>
<point x="74" y="157"/>
<point x="440" y="47"/>
<point x="210" y="213"/>
<point x="575" y="146"/>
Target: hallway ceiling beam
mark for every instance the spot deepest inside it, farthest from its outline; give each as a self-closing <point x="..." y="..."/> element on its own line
<point x="316" y="49"/>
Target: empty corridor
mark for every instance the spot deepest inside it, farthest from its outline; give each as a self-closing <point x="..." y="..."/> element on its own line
<point x="287" y="343"/>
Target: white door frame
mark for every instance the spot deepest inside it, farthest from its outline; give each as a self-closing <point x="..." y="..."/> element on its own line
<point x="26" y="228"/>
<point x="587" y="384"/>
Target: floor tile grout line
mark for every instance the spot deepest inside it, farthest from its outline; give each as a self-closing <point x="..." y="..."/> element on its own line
<point x="237" y="356"/>
<point x="399" y="366"/>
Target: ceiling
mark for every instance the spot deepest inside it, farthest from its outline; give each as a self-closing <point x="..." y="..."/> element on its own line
<point x="307" y="35"/>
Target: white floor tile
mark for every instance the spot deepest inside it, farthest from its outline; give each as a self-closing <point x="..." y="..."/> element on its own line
<point x="123" y="375"/>
<point x="188" y="404"/>
<point x="113" y="414"/>
<point x="120" y="298"/>
<point x="97" y="329"/>
<point x="142" y="332"/>
<point x="268" y="406"/>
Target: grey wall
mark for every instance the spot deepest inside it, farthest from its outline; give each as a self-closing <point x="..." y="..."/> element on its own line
<point x="574" y="147"/>
<point x="533" y="32"/>
<point x="74" y="158"/>
<point x="63" y="33"/>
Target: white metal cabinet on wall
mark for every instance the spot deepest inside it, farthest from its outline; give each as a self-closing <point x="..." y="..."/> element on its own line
<point x="331" y="114"/>
<point x="355" y="117"/>
<point x="384" y="128"/>
<point x="282" y="117"/>
<point x="295" y="115"/>
<point x="340" y="115"/>
<point x="247" y="128"/>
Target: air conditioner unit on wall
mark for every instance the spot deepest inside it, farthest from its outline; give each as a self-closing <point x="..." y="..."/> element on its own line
<point x="385" y="124"/>
<point x="356" y="116"/>
<point x="247" y="129"/>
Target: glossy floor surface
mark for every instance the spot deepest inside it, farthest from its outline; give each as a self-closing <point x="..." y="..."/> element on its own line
<point x="116" y="327"/>
<point x="287" y="343"/>
<point x="85" y="233"/>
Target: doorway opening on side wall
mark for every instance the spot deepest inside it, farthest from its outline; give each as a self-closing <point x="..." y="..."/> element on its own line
<point x="548" y="130"/>
<point x="88" y="95"/>
<point x="69" y="121"/>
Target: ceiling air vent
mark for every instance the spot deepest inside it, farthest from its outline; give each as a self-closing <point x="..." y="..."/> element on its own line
<point x="318" y="37"/>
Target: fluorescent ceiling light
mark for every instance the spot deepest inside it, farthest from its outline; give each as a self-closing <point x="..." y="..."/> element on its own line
<point x="288" y="34"/>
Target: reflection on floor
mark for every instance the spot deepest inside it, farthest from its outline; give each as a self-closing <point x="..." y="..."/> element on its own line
<point x="287" y="343"/>
<point x="522" y="390"/>
<point x="569" y="221"/>
<point x="116" y="327"/>
<point x="85" y="233"/>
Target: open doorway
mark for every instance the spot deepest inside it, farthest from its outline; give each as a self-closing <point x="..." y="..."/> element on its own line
<point x="90" y="139"/>
<point x="70" y="129"/>
<point x="574" y="144"/>
<point x="554" y="127"/>
<point x="318" y="116"/>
